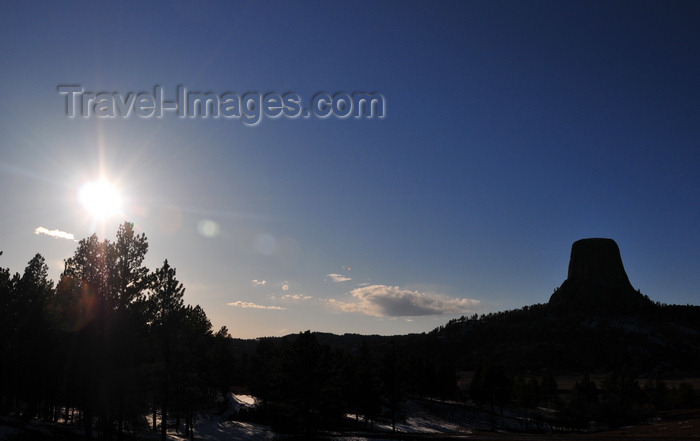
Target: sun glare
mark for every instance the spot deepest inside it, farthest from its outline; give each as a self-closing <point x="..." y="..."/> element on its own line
<point x="100" y="198"/>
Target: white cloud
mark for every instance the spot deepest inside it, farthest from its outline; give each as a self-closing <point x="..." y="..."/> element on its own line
<point x="296" y="297"/>
<point x="338" y="277"/>
<point x="285" y="287"/>
<point x="393" y="301"/>
<point x="247" y="305"/>
<point x="257" y="282"/>
<point x="54" y="233"/>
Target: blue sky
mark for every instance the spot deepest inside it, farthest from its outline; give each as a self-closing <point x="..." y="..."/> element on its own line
<point x="511" y="130"/>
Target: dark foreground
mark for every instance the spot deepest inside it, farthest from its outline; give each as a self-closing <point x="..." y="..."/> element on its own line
<point x="672" y="425"/>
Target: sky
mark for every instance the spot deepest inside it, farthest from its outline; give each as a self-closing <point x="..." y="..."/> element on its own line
<point x="502" y="132"/>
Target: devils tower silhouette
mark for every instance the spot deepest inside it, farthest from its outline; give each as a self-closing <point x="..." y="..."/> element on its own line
<point x="597" y="281"/>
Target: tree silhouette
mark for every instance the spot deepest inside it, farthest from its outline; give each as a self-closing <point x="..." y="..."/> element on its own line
<point x="31" y="330"/>
<point x="129" y="277"/>
<point x="6" y="344"/>
<point x="365" y="396"/>
<point x="392" y="382"/>
<point x="490" y="385"/>
<point x="168" y="315"/>
<point x="110" y="278"/>
<point x="584" y="401"/>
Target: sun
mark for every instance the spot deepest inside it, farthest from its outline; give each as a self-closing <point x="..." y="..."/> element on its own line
<point x="100" y="198"/>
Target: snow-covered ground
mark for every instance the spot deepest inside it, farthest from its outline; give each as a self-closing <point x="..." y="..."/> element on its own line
<point x="435" y="417"/>
<point x="207" y="427"/>
<point x="426" y="417"/>
<point x="236" y="403"/>
<point x="221" y="428"/>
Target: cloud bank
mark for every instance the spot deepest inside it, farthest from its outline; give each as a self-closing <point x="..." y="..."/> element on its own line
<point x="338" y="277"/>
<point x="54" y="233"/>
<point x="296" y="297"/>
<point x="249" y="305"/>
<point x="393" y="301"/>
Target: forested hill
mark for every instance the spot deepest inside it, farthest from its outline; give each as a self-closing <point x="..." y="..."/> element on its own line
<point x="660" y="339"/>
<point x="656" y="339"/>
<point x="596" y="321"/>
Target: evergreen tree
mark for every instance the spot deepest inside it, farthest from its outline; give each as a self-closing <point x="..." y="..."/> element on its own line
<point x="490" y="385"/>
<point x="366" y="397"/>
<point x="167" y="314"/>
<point x="100" y="298"/>
<point x="31" y="335"/>
<point x="584" y="402"/>
<point x="225" y="367"/>
<point x="550" y="390"/>
<point x="129" y="278"/>
<point x="6" y="350"/>
<point x="392" y="377"/>
<point x="265" y="370"/>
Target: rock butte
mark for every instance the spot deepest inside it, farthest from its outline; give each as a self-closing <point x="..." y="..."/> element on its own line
<point x="597" y="281"/>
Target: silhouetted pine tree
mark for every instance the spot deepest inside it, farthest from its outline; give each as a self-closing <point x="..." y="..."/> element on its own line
<point x="6" y="354"/>
<point x="584" y="402"/>
<point x="393" y="387"/>
<point x="194" y="373"/>
<point x="490" y="385"/>
<point x="265" y="370"/>
<point x="366" y="398"/>
<point x="31" y="335"/>
<point x="167" y="315"/>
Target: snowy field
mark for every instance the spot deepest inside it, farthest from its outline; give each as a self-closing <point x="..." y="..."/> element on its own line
<point x="425" y="418"/>
<point x="206" y="428"/>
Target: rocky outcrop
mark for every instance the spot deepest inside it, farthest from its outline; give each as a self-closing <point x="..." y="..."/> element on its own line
<point x="597" y="281"/>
